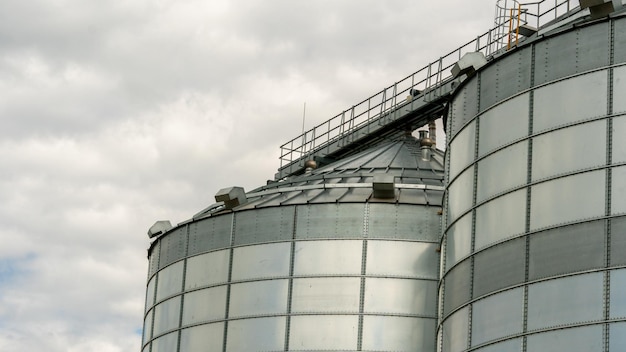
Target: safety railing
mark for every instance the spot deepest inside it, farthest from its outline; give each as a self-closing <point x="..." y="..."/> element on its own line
<point x="379" y="108"/>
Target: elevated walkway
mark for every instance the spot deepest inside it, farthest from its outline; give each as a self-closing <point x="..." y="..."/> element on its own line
<point x="419" y="98"/>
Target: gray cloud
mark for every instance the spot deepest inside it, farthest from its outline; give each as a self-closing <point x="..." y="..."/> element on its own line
<point x="117" y="114"/>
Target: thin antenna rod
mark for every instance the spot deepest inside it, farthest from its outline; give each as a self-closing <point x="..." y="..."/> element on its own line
<point x="303" y="116"/>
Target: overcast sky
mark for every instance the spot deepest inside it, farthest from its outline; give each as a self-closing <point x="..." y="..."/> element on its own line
<point x="118" y="113"/>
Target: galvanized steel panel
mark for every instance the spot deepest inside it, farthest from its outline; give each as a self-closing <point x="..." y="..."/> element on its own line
<point x="617" y="336"/>
<point x="461" y="194"/>
<point x="258" y="298"/>
<point x="326" y="295"/>
<point x="147" y="328"/>
<point x="210" y="234"/>
<point x="150" y="293"/>
<point x="329" y="221"/>
<point x="498" y="267"/>
<point x="260" y="334"/>
<point x="403" y="222"/>
<point x="328" y="257"/>
<point x="618" y="190"/>
<point x="572" y="52"/>
<point x="461" y="150"/>
<point x="582" y="339"/>
<point x="412" y="196"/>
<point x="617" y="298"/>
<point x="508" y="210"/>
<point x="173" y="247"/>
<point x="569" y="149"/>
<point x="434" y="198"/>
<point x="204" y="305"/>
<point x="261" y="261"/>
<point x="565" y="300"/>
<point x="397" y="258"/>
<point x="619" y="39"/>
<point x="207" y="337"/>
<point x="514" y="345"/>
<point x="464" y="106"/>
<point x="567" y="249"/>
<point x="166" y="315"/>
<point x="166" y="343"/>
<point x="457" y="286"/>
<point x="567" y="199"/>
<point x="458" y="241"/>
<point x="331" y="195"/>
<point x="303" y="196"/>
<point x="619" y="143"/>
<point x="504" y="170"/>
<point x="505" y="77"/>
<point x="504" y="124"/>
<point x="571" y="100"/>
<point x="400" y="296"/>
<point x="498" y="316"/>
<point x="264" y="225"/>
<point x="170" y="281"/>
<point x="401" y="334"/>
<point x="323" y="332"/>
<point x="386" y="158"/>
<point x="618" y="241"/>
<point x="207" y="269"/>
<point x="153" y="264"/>
<point x="455" y="331"/>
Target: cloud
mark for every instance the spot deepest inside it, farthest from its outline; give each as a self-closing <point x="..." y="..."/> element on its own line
<point x="117" y="114"/>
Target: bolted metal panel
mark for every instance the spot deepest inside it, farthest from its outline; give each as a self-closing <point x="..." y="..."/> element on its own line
<point x="458" y="241"/>
<point x="260" y="334"/>
<point x="619" y="105"/>
<point x="401" y="296"/>
<point x="173" y="247"/>
<point x="170" y="281"/>
<point x="261" y="261"/>
<point x="464" y="107"/>
<point x="150" y="291"/>
<point x="574" y="99"/>
<point x="409" y="222"/>
<point x="403" y="334"/>
<point x="323" y="332"/>
<point x="502" y="171"/>
<point x="166" y="343"/>
<point x="166" y="315"/>
<point x="506" y="77"/>
<point x="618" y="241"/>
<point x="326" y="295"/>
<point x="206" y="337"/>
<point x="461" y="194"/>
<point x="147" y="328"/>
<point x="618" y="190"/>
<point x="504" y="124"/>
<point x="329" y="221"/>
<point x="204" y="305"/>
<point x="513" y="345"/>
<point x="458" y="286"/>
<point x="406" y="259"/>
<point x="583" y="339"/>
<point x="508" y="209"/>
<point x="572" y="52"/>
<point x="619" y="44"/>
<point x="264" y="225"/>
<point x="497" y="316"/>
<point x="618" y="294"/>
<point x="567" y="249"/>
<point x="617" y="336"/>
<point x="567" y="300"/>
<point x="340" y="257"/>
<point x="258" y="298"/>
<point x="153" y="257"/>
<point x="499" y="267"/>
<point x="455" y="331"/>
<point x="207" y="269"/>
<point x="210" y="234"/>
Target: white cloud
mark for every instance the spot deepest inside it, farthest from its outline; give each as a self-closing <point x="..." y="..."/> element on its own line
<point x="116" y="114"/>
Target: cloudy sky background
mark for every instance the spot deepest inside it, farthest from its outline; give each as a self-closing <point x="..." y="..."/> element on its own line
<point x="115" y="114"/>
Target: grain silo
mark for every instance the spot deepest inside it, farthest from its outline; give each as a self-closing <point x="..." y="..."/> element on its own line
<point x="536" y="191"/>
<point x="343" y="257"/>
<point x="344" y="251"/>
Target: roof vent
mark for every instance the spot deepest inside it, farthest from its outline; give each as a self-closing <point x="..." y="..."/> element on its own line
<point x="232" y="197"/>
<point x="384" y="186"/>
<point x="598" y="8"/>
<point x="159" y="227"/>
<point x="468" y="64"/>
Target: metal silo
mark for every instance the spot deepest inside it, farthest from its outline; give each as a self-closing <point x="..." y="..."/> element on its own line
<point x="535" y="229"/>
<point x="343" y="257"/>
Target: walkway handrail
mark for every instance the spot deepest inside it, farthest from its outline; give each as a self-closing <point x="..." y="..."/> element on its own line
<point x="381" y="105"/>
